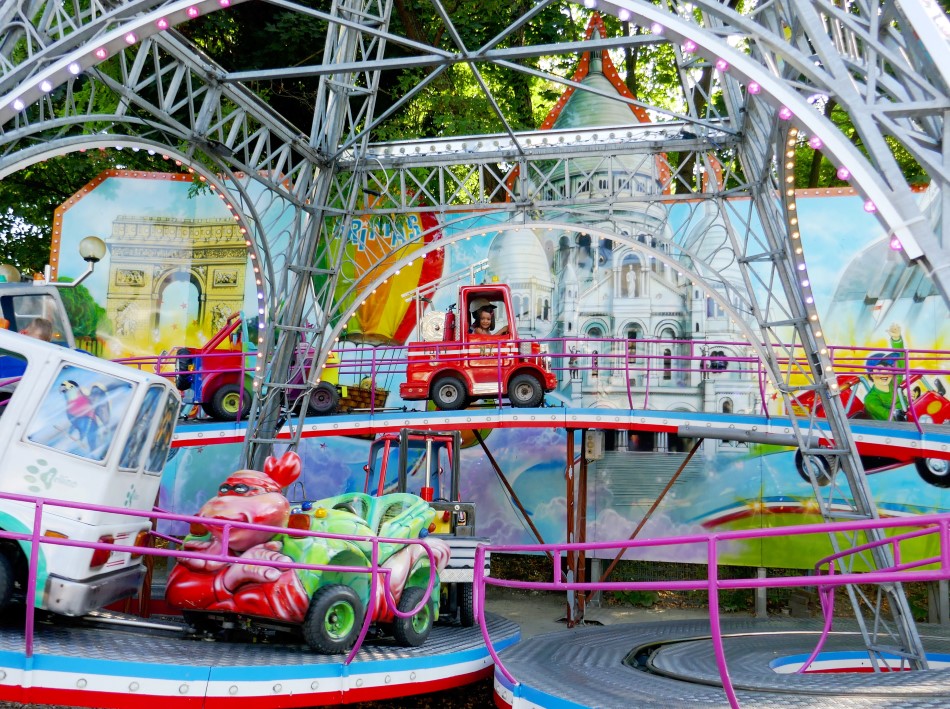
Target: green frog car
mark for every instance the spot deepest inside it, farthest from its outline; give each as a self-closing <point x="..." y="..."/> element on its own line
<point x="329" y="604"/>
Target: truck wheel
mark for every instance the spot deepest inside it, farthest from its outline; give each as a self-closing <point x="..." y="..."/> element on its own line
<point x="184" y="381"/>
<point x="413" y="630"/>
<point x="466" y="601"/>
<point x="448" y="394"/>
<point x="228" y="404"/>
<point x="333" y="620"/>
<point x="6" y="580"/>
<point x="323" y="400"/>
<point x="820" y="464"/>
<point x="524" y="391"/>
<point x="934" y="471"/>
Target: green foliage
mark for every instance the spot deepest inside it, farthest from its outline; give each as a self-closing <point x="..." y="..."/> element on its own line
<point x="639" y="599"/>
<point x="84" y="312"/>
<point x="29" y="198"/>
<point x="734" y="600"/>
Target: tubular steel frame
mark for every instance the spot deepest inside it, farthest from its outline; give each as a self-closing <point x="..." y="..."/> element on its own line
<point x="879" y="61"/>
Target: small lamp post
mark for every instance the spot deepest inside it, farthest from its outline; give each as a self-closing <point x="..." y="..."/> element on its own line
<point x="91" y="249"/>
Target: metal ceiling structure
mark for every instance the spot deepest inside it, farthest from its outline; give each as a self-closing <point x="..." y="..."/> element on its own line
<point x="751" y="87"/>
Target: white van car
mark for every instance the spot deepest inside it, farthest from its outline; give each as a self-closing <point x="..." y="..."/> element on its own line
<point x="81" y="429"/>
<point x="20" y="303"/>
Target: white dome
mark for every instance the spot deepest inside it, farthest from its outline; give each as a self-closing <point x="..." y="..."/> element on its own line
<point x="517" y="255"/>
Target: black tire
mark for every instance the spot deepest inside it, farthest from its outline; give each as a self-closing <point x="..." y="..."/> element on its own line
<point x="184" y="382"/>
<point x="822" y="467"/>
<point x="934" y="471"/>
<point x="525" y="392"/>
<point x="448" y="394"/>
<point x="466" y="601"/>
<point x="7" y="579"/>
<point x="412" y="631"/>
<point x="333" y="620"/>
<point x="323" y="400"/>
<point x="228" y="404"/>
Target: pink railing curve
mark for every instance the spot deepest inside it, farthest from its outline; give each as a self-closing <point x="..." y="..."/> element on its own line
<point x="936" y="525"/>
<point x="36" y="539"/>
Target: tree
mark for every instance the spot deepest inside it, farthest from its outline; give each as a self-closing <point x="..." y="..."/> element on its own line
<point x="84" y="312"/>
<point x="29" y="198"/>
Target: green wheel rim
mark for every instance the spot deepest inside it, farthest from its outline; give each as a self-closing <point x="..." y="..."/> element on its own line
<point x="421" y="619"/>
<point x="339" y="620"/>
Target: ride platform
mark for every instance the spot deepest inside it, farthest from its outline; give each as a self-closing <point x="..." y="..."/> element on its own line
<point x="901" y="441"/>
<point x="126" y="663"/>
<point x="658" y="665"/>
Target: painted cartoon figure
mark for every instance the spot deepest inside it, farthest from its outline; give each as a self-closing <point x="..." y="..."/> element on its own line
<point x="884" y="401"/>
<point x="86" y="411"/>
<point x="296" y="596"/>
<point x="247" y="496"/>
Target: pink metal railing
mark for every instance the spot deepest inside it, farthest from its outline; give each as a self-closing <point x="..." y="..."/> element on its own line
<point x="827" y="580"/>
<point x="924" y="525"/>
<point x="644" y="362"/>
<point x="375" y="570"/>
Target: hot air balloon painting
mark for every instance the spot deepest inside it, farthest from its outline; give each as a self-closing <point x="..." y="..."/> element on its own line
<point x="374" y="244"/>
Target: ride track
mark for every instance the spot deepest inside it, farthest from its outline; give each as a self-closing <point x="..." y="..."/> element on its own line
<point x="920" y="437"/>
<point x="888" y="439"/>
<point x="877" y="60"/>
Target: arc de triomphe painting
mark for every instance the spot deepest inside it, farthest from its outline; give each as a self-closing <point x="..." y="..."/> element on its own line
<point x="153" y="262"/>
<point x="175" y="266"/>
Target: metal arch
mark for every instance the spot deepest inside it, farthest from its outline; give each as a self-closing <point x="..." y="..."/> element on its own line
<point x="911" y="109"/>
<point x="193" y="101"/>
<point x="705" y="276"/>
<point x="59" y="44"/>
<point x="757" y="31"/>
<point x="756" y="154"/>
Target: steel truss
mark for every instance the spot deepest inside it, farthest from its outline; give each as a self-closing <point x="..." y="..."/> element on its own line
<point x="296" y="191"/>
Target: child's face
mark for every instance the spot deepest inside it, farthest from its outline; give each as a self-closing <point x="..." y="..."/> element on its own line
<point x="484" y="320"/>
<point x="881" y="381"/>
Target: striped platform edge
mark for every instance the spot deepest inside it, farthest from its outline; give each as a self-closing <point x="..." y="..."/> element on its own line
<point x="82" y="666"/>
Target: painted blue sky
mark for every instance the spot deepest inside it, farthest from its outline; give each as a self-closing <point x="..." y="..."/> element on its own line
<point x="94" y="214"/>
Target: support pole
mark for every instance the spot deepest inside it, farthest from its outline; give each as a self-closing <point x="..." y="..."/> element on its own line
<point x="581" y="559"/>
<point x="656" y="503"/>
<point x="569" y="482"/>
<point x="511" y="491"/>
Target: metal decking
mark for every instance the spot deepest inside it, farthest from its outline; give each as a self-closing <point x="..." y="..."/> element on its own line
<point x="78" y="665"/>
<point x="881" y="438"/>
<point x="585" y="668"/>
<point x="99" y="666"/>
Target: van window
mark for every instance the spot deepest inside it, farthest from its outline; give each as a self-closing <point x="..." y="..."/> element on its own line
<point x="12" y="367"/>
<point x="132" y="453"/>
<point x="163" y="436"/>
<point x="20" y="310"/>
<point x="80" y="412"/>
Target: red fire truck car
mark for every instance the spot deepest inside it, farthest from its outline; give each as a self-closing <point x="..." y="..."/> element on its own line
<point x="459" y="363"/>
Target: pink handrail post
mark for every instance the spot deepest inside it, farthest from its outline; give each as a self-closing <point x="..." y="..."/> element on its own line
<point x="31" y="578"/>
<point x="364" y="628"/>
<point x="372" y="382"/>
<point x="626" y="376"/>
<point x="715" y="627"/>
<point x="478" y="590"/>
